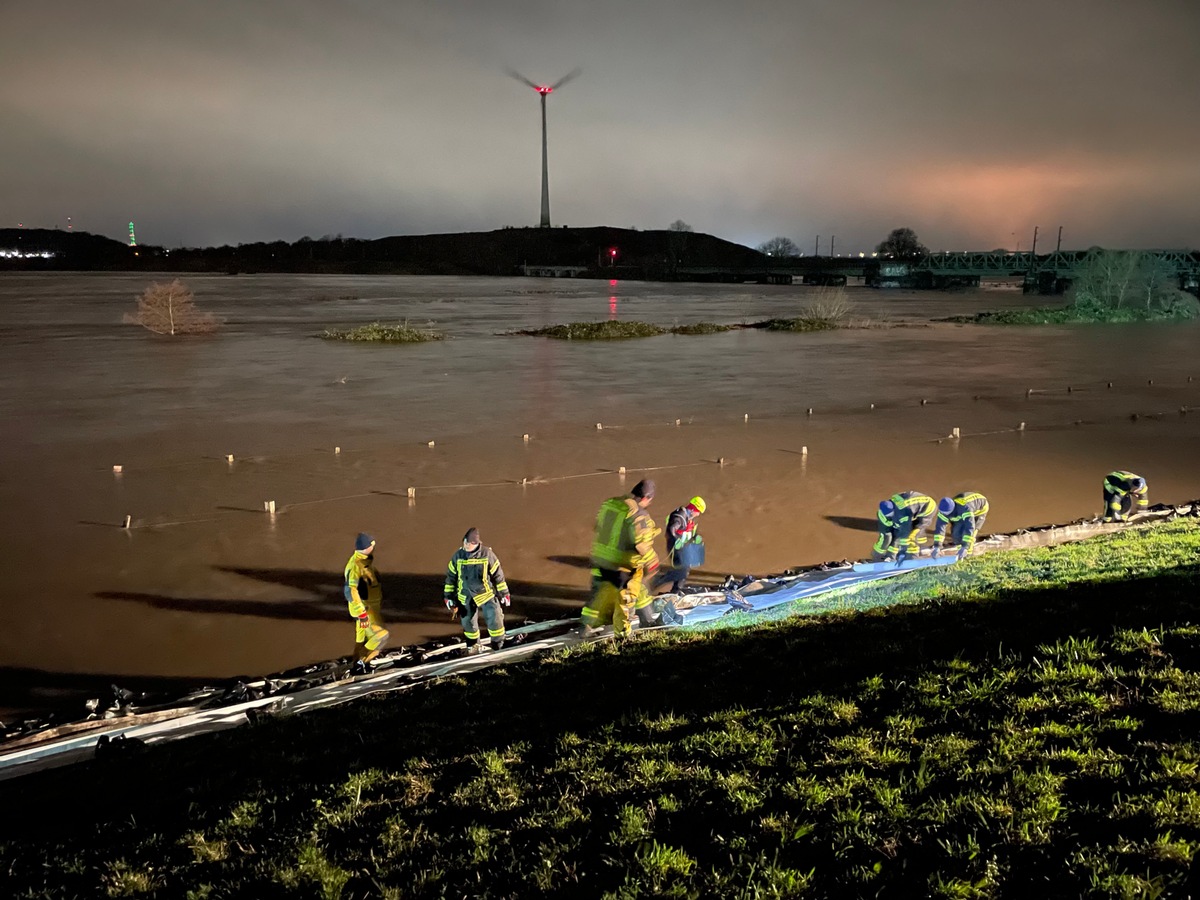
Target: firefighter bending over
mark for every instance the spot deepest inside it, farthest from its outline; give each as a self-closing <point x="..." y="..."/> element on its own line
<point x="622" y="556"/>
<point x="364" y="598"/>
<point x="1124" y="492"/>
<point x="475" y="584"/>
<point x="963" y="515"/>
<point x="902" y="523"/>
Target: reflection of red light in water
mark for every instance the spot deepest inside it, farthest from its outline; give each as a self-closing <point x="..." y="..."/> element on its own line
<point x="612" y="309"/>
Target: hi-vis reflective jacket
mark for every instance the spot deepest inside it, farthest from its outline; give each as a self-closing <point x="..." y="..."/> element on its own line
<point x="474" y="576"/>
<point x="1121" y="484"/>
<point x="970" y="509"/>
<point x="625" y="536"/>
<point x="681" y="529"/>
<point x="913" y="510"/>
<point x="362" y="587"/>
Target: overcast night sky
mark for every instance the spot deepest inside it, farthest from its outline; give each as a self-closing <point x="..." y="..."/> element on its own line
<point x="228" y="121"/>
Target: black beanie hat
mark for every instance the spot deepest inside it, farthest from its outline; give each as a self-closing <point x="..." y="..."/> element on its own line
<point x="643" y="489"/>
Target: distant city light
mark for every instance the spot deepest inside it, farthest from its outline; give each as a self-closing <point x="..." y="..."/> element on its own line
<point x="21" y="254"/>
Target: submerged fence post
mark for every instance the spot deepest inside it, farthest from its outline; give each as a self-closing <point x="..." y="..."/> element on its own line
<point x="117" y="470"/>
<point x="128" y="522"/>
<point x="412" y="492"/>
<point x="269" y="506"/>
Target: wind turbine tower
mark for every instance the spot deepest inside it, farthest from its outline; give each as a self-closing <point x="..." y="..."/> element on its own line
<point x="543" y="92"/>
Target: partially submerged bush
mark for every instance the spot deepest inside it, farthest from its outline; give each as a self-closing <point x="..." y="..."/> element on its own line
<point x="1111" y="286"/>
<point x="171" y="309"/>
<point x="702" y="328"/>
<point x="400" y="333"/>
<point x="830" y="310"/>
<point x="597" y="331"/>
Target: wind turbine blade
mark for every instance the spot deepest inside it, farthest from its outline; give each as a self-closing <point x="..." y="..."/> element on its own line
<point x="513" y="73"/>
<point x="570" y="76"/>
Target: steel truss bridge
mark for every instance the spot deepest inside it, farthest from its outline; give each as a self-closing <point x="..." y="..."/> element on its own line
<point x="1062" y="263"/>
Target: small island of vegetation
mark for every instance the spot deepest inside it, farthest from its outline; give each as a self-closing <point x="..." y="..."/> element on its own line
<point x="400" y="333"/>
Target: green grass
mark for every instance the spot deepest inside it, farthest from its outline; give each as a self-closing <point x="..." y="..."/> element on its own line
<point x="400" y="333"/>
<point x="1022" y="724"/>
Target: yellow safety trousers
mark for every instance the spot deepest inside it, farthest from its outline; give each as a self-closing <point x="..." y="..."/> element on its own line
<point x="614" y="606"/>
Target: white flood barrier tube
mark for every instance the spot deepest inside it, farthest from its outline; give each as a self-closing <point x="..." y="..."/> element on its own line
<point x="399" y="671"/>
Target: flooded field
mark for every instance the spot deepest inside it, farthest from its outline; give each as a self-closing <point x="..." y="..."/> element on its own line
<point x="206" y="584"/>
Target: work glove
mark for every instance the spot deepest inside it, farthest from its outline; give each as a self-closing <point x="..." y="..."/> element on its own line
<point x="364" y="622"/>
<point x="962" y="554"/>
<point x="901" y="556"/>
<point x="505" y="599"/>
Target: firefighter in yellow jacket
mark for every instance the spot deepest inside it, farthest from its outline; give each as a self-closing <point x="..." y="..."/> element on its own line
<point x="475" y="584"/>
<point x="622" y="556"/>
<point x="364" y="597"/>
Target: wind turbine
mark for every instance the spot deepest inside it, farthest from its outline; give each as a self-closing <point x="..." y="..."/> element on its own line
<point x="543" y="91"/>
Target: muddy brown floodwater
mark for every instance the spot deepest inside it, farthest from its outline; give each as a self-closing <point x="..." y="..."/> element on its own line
<point x="207" y="585"/>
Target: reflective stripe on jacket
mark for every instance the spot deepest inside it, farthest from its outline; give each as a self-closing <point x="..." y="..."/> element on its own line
<point x="361" y="587"/>
<point x="969" y="508"/>
<point x="474" y="575"/>
<point x="625" y="536"/>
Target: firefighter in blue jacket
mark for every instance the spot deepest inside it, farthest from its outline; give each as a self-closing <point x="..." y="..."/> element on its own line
<point x="1123" y="493"/>
<point x="902" y="523"/>
<point x="475" y="584"/>
<point x="963" y="515"/>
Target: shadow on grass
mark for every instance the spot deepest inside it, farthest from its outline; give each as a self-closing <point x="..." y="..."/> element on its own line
<point x="541" y="704"/>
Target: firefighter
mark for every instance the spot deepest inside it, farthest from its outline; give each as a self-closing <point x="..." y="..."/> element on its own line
<point x="902" y="523"/>
<point x="622" y="556"/>
<point x="475" y="584"/>
<point x="1122" y="491"/>
<point x="681" y="531"/>
<point x="963" y="514"/>
<point x="364" y="597"/>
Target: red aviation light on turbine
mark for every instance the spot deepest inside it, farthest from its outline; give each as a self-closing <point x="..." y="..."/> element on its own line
<point x="544" y="89"/>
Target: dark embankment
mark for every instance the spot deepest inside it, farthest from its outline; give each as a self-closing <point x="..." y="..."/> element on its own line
<point x="1022" y="725"/>
<point x="639" y="254"/>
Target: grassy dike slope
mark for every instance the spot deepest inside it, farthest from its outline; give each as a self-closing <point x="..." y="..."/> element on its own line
<point x="1025" y="724"/>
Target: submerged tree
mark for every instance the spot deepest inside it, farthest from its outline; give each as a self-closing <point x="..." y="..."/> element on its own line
<point x="902" y="243"/>
<point x="778" y="246"/>
<point x="171" y="309"/>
